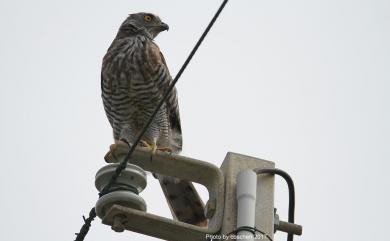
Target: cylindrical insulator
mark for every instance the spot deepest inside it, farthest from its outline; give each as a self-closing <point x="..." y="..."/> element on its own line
<point x="246" y="201"/>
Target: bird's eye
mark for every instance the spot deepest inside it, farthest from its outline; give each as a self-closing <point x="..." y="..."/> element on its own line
<point x="148" y="18"/>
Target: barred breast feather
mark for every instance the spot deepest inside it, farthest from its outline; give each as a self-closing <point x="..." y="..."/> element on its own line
<point x="134" y="79"/>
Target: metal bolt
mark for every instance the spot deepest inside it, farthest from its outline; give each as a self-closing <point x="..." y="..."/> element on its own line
<point x="118" y="225"/>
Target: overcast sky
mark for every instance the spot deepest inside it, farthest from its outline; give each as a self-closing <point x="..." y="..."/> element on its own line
<point x="303" y="83"/>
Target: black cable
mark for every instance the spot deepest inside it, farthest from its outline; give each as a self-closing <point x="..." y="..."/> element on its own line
<point x="291" y="192"/>
<point x="87" y="224"/>
<point x="123" y="187"/>
<point x="263" y="233"/>
<point x="92" y="214"/>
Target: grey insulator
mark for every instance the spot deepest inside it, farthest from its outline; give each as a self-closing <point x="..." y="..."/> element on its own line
<point x="125" y="190"/>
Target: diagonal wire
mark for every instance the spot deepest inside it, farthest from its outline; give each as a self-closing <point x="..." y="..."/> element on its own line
<point x="87" y="224"/>
<point x="92" y="214"/>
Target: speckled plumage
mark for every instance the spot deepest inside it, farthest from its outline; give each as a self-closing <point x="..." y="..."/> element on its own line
<point x="133" y="80"/>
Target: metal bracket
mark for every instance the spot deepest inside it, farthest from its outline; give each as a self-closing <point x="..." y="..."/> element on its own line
<point x="183" y="168"/>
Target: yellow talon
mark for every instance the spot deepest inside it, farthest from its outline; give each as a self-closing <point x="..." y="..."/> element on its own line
<point x="165" y="149"/>
<point x="152" y="147"/>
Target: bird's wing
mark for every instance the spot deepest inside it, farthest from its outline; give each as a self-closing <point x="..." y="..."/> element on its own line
<point x="156" y="58"/>
<point x="174" y="114"/>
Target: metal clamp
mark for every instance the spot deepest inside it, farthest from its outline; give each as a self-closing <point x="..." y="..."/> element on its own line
<point x="180" y="167"/>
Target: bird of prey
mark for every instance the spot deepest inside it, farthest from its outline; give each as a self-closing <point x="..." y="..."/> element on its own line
<point x="134" y="78"/>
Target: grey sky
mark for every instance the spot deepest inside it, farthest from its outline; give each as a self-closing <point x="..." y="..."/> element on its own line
<point x="301" y="83"/>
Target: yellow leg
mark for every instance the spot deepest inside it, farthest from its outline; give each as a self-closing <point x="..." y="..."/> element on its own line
<point x="165" y="149"/>
<point x="152" y="147"/>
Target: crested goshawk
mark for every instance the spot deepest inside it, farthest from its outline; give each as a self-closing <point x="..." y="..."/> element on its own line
<point x="134" y="79"/>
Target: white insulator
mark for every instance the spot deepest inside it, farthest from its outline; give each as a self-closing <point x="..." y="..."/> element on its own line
<point x="246" y="202"/>
<point x="132" y="176"/>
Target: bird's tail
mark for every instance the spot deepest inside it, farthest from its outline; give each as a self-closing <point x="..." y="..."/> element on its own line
<point x="183" y="199"/>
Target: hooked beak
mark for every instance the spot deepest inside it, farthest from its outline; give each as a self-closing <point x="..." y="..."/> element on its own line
<point x="163" y="26"/>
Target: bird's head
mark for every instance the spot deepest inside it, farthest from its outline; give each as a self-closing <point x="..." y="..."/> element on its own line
<point x="143" y="23"/>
